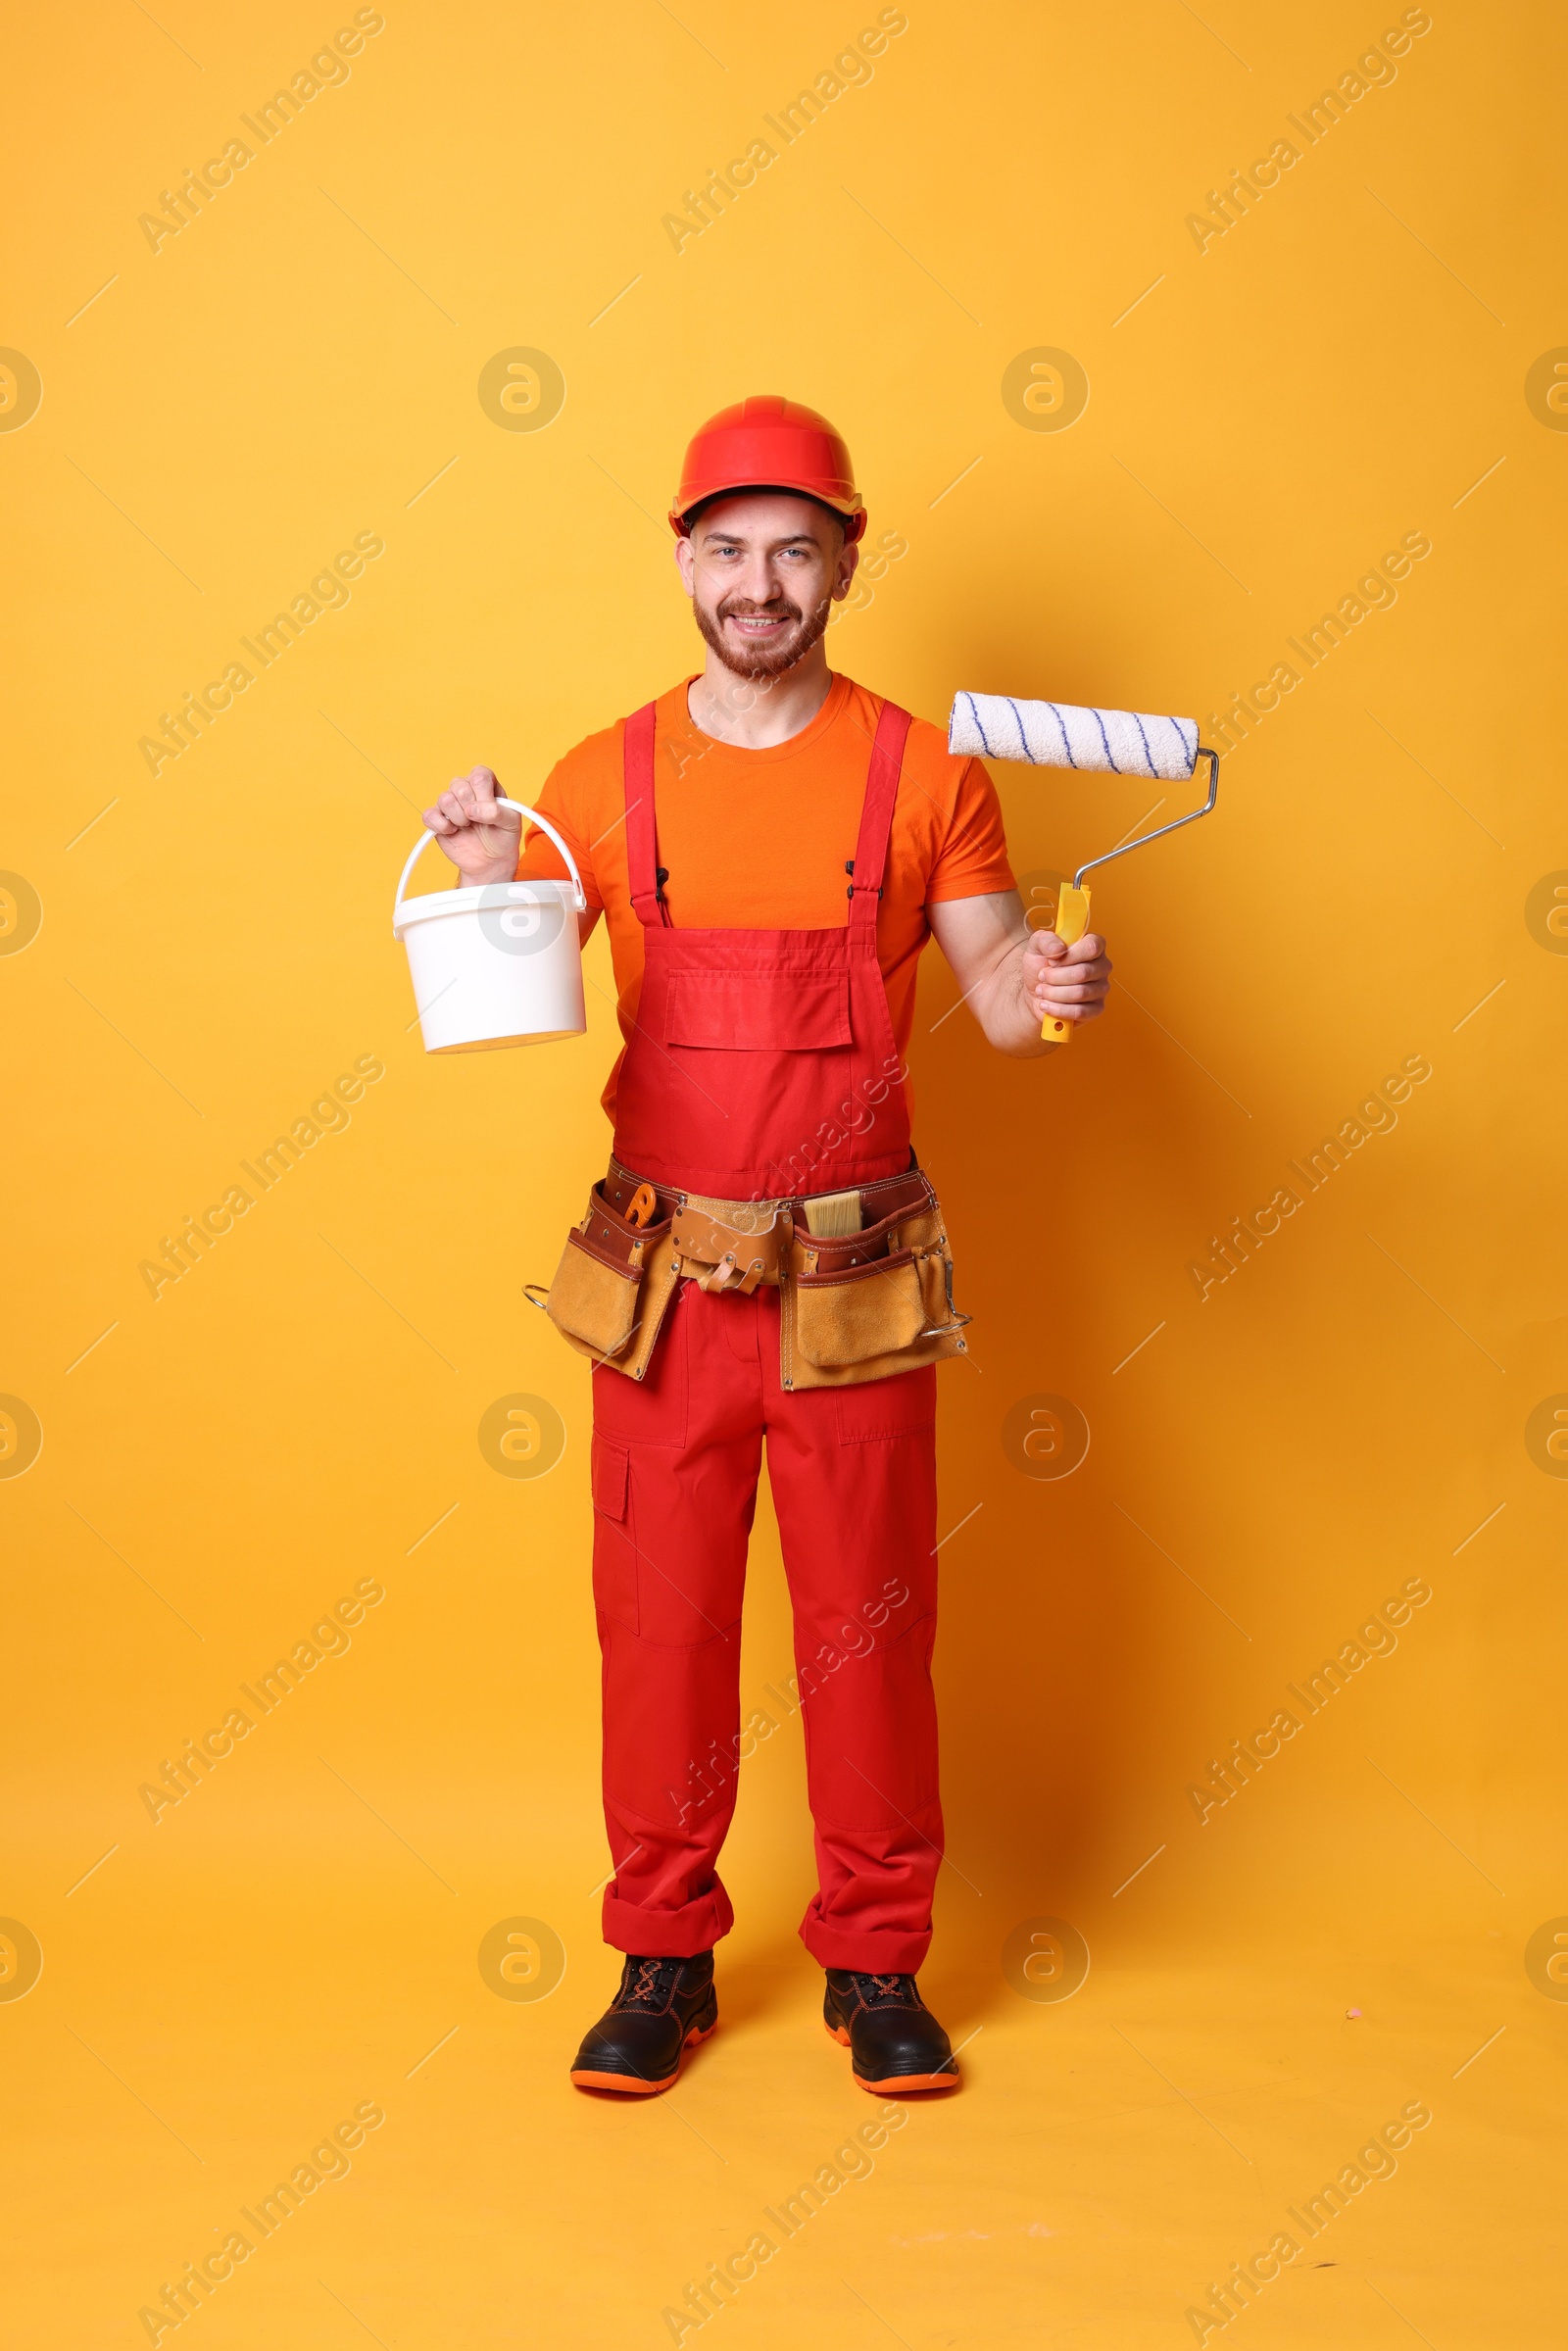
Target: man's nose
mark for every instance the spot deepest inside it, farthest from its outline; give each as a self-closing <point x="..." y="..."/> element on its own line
<point x="759" y="582"/>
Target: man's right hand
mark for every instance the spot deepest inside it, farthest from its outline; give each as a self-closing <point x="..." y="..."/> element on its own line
<point x="481" y="839"/>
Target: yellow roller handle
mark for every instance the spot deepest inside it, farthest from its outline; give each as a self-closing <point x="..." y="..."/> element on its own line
<point x="1072" y="920"/>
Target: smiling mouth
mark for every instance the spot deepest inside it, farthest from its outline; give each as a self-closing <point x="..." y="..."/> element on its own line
<point x="758" y="624"/>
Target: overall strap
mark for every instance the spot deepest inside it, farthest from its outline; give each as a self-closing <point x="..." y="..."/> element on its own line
<point x="876" y="817"/>
<point x="642" y="841"/>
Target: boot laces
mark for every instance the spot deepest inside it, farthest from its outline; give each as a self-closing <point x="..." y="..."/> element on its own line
<point x="645" y="1990"/>
<point x="884" y="1988"/>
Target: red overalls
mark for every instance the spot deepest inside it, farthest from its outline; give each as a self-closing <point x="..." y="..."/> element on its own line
<point x="756" y="1052"/>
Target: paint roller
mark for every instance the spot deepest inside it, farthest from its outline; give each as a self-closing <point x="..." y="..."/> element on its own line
<point x="1060" y="734"/>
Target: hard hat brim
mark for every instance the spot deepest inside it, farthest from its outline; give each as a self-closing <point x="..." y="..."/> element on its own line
<point x="850" y="510"/>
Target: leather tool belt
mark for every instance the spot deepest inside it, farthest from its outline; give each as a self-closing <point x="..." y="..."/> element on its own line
<point x="720" y="1244"/>
<point x="855" y="1306"/>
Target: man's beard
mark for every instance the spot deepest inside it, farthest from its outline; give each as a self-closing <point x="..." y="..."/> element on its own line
<point x="765" y="661"/>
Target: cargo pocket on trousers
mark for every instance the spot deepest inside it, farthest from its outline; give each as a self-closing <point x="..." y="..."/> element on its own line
<point x="614" y="1552"/>
<point x="878" y="1409"/>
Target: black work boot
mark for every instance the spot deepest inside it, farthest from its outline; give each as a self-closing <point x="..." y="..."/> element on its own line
<point x="895" y="2042"/>
<point x="662" y="2006"/>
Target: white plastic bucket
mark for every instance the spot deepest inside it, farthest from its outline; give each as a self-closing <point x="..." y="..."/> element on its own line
<point x="498" y="965"/>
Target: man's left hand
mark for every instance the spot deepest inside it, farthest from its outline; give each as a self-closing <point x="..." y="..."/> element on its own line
<point x="1066" y="983"/>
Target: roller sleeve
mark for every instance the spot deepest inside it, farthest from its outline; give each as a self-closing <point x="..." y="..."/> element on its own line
<point x="1061" y="734"/>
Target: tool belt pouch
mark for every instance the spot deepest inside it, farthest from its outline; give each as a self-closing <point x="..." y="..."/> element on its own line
<point x="611" y="1287"/>
<point x="865" y="1306"/>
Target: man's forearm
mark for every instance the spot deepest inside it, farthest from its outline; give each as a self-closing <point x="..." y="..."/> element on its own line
<point x="1012" y="976"/>
<point x="1003" y="1008"/>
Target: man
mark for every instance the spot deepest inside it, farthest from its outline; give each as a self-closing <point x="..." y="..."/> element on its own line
<point x="762" y="1123"/>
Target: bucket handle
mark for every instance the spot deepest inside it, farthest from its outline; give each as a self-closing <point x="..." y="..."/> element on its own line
<point x="579" y="895"/>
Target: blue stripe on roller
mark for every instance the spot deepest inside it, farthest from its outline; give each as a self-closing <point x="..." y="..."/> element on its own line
<point x="1143" y="739"/>
<point x="1062" y="731"/>
<point x="1187" y="749"/>
<point x="974" y="713"/>
<point x="1110" y="756"/>
<point x="1019" y="723"/>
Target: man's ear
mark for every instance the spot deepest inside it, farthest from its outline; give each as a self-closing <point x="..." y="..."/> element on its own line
<point x="849" y="561"/>
<point x="685" y="562"/>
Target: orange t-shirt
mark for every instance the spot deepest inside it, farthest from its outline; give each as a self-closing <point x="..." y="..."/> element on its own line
<point x="757" y="840"/>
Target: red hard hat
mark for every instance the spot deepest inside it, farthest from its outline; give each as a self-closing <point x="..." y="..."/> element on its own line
<point x="768" y="443"/>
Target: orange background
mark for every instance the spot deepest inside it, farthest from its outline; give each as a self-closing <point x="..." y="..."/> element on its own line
<point x="1367" y="1401"/>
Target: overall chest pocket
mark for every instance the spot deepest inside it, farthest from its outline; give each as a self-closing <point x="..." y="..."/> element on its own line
<point x="773" y="1009"/>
